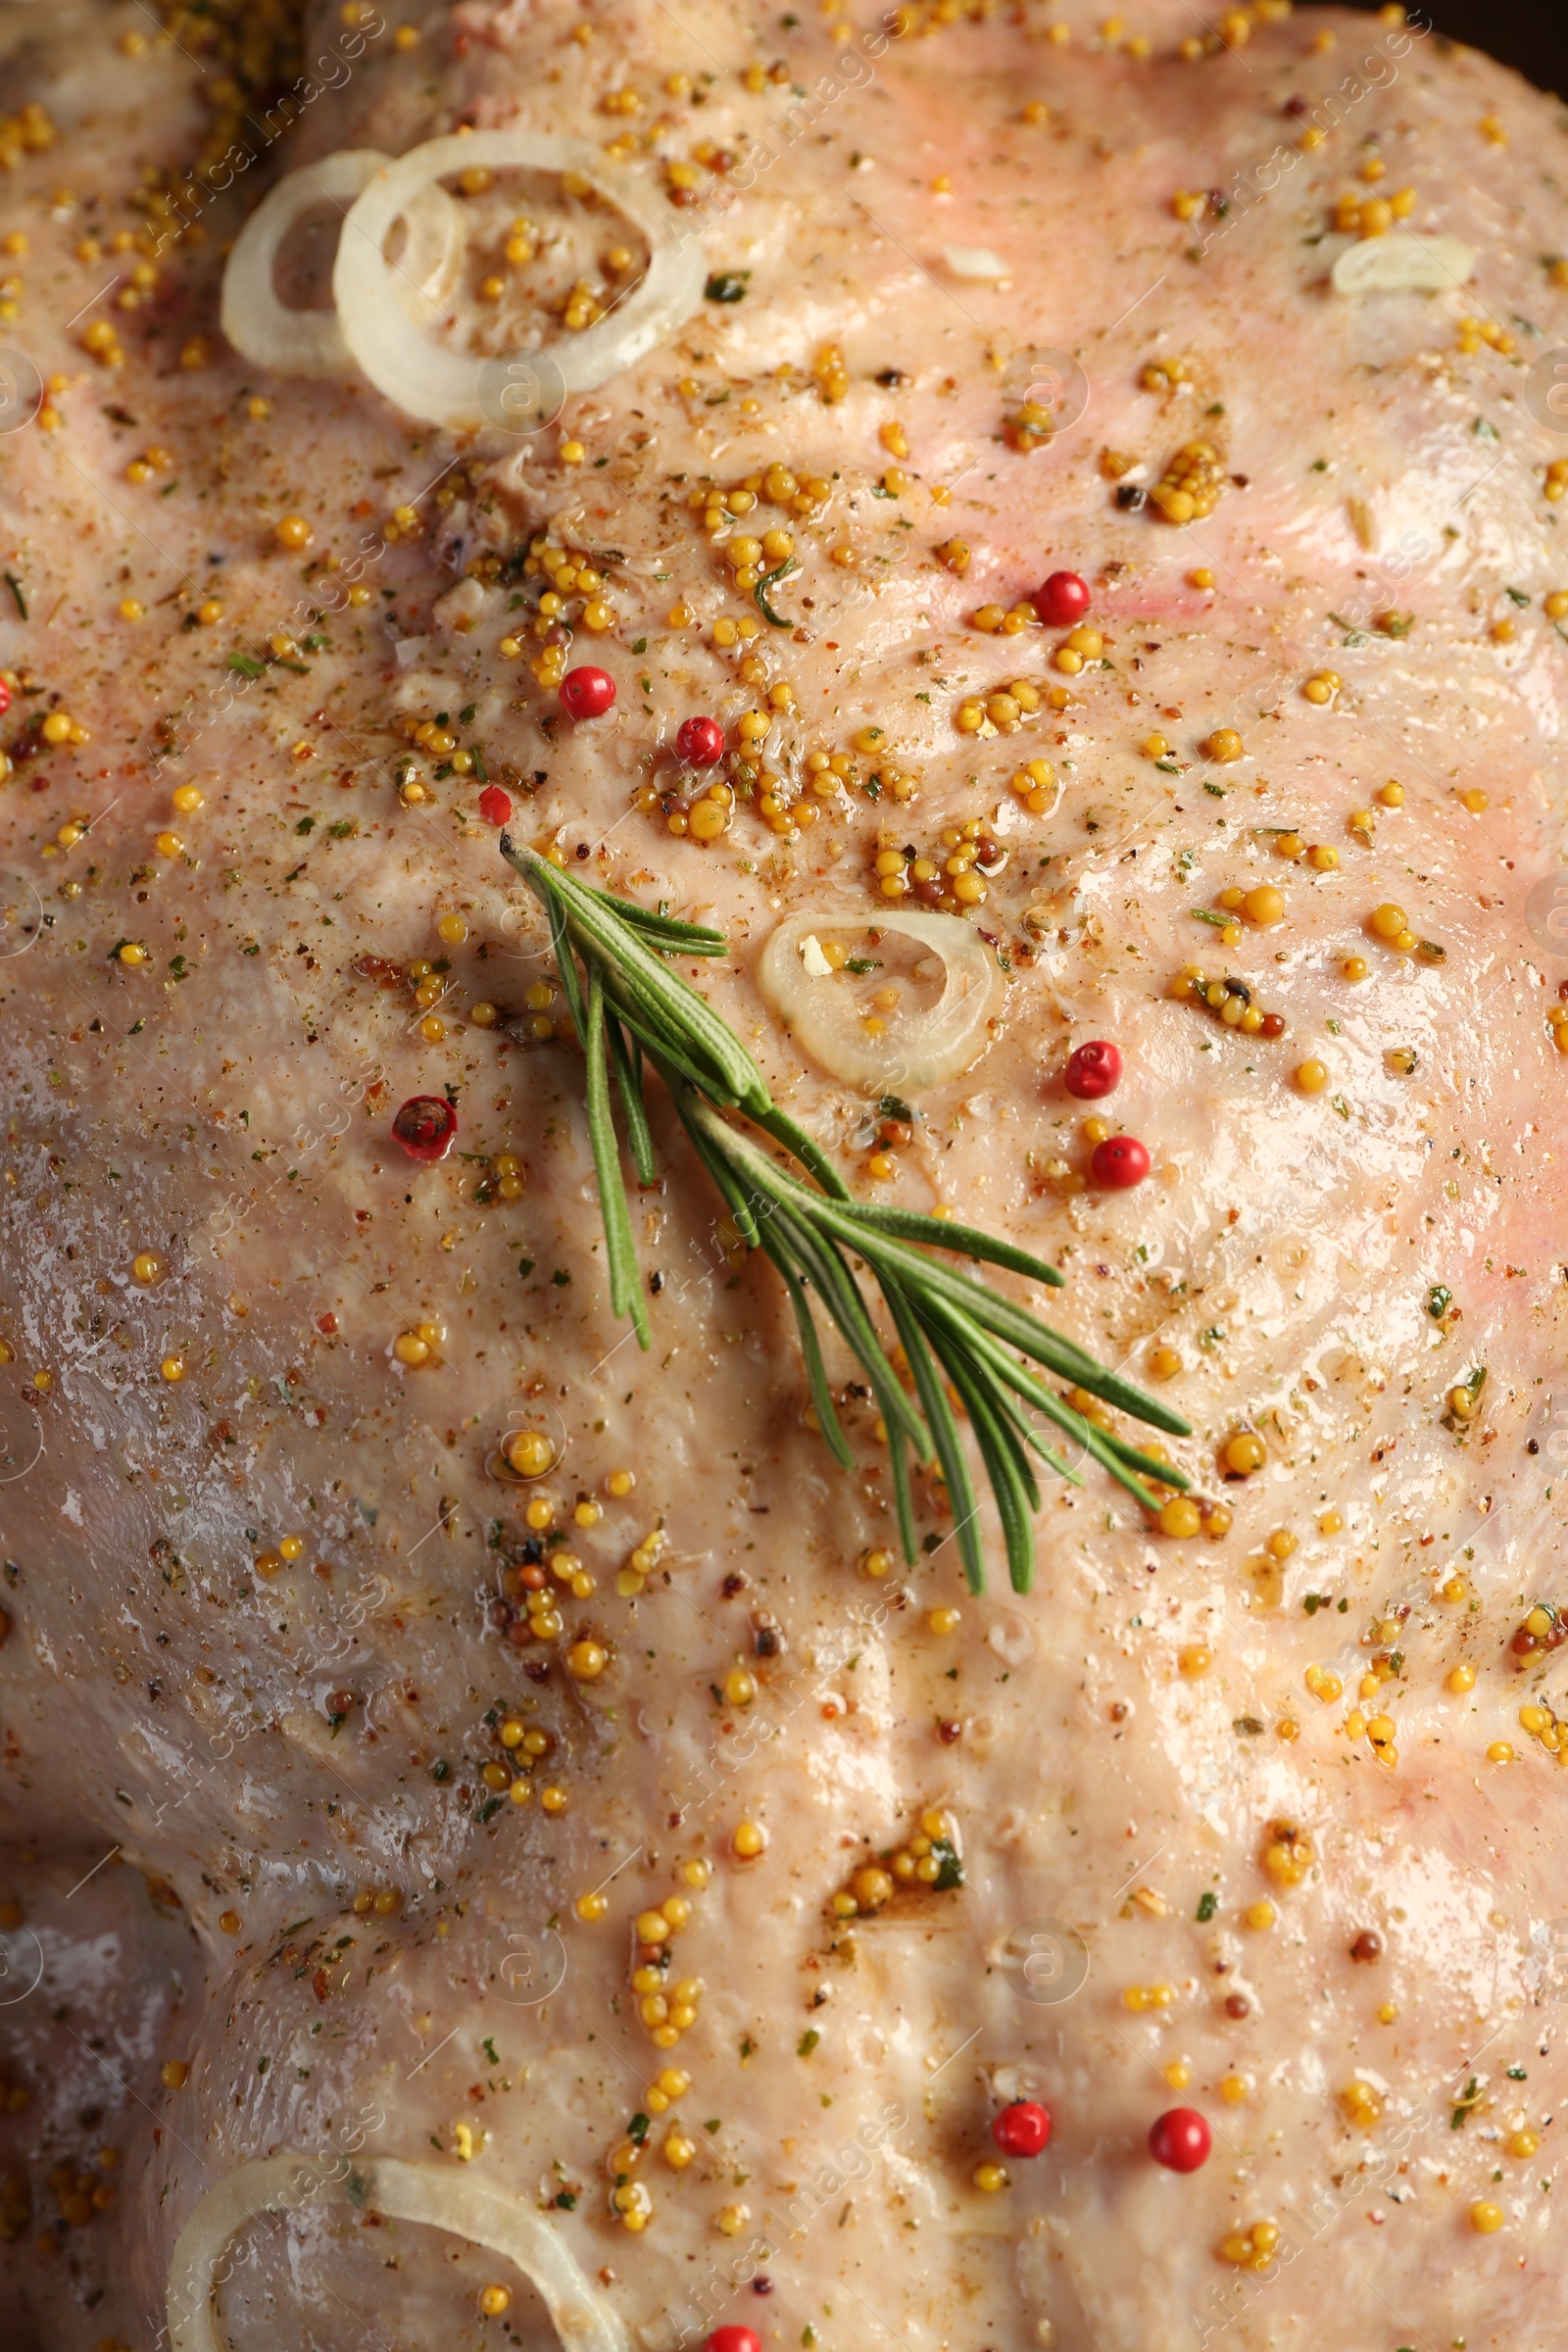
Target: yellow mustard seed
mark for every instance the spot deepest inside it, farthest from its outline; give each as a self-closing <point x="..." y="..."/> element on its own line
<point x="1180" y="1516"/>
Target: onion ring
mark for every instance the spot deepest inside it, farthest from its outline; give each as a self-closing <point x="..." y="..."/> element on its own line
<point x="443" y="387"/>
<point x="915" y="1049"/>
<point x="432" y="2194"/>
<point x="310" y="342"/>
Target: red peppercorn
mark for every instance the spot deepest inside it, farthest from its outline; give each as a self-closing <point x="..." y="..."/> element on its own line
<point x="1119" y="1163"/>
<point x="1180" y="2139"/>
<point x="1023" y="2129"/>
<point x="425" y="1126"/>
<point x="5" y="698"/>
<point x="1093" y="1070"/>
<point x="734" y="2339"/>
<point x="587" y="693"/>
<point x="1062" y="599"/>
<point x="701" y="741"/>
<point x="495" y="805"/>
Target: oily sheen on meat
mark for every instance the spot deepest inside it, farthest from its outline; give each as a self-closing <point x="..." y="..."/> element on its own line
<point x="502" y="1848"/>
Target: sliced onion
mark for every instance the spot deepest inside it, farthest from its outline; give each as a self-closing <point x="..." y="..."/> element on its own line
<point x="442" y="2198"/>
<point x="917" y="1049"/>
<point x="1401" y="264"/>
<point x="442" y="385"/>
<point x="310" y="342"/>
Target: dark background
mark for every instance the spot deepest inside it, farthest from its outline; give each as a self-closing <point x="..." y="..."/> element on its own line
<point x="1531" y="35"/>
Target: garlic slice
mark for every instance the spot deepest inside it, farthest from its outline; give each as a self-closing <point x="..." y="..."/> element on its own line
<point x="974" y="261"/>
<point x="914" y="1047"/>
<point x="1401" y="264"/>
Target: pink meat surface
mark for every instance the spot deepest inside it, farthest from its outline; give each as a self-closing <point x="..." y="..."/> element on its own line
<point x="1257" y="1819"/>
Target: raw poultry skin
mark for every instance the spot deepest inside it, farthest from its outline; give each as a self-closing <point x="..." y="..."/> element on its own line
<point x="259" y="1650"/>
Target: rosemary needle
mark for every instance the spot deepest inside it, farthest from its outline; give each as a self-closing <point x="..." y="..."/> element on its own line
<point x="956" y="1338"/>
<point x="769" y="579"/>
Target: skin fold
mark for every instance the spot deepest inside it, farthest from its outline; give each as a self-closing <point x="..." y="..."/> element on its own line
<point x="266" y="1576"/>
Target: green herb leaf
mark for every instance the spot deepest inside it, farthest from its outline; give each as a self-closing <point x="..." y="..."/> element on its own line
<point x="626" y="1281"/>
<point x="781" y="572"/>
<point x="951" y="1871"/>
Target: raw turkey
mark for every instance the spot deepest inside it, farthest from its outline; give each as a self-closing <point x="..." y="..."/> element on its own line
<point x="503" y="1846"/>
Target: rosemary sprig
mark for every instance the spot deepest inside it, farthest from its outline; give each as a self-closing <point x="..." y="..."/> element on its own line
<point x="959" y="1340"/>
